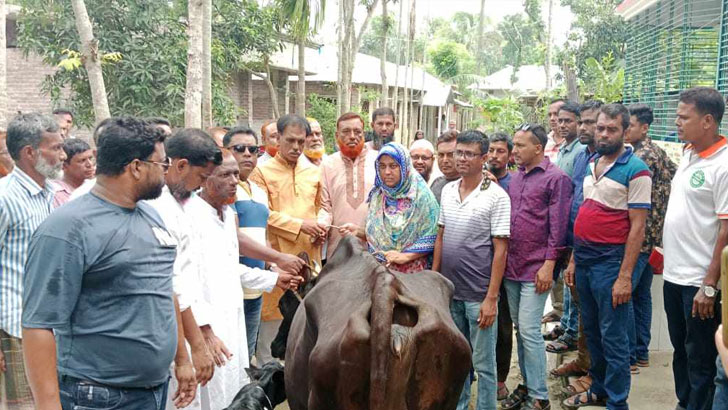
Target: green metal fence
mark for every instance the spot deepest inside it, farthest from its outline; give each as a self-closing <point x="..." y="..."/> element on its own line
<point x="674" y="45"/>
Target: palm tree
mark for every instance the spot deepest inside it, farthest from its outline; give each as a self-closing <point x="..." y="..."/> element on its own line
<point x="303" y="18"/>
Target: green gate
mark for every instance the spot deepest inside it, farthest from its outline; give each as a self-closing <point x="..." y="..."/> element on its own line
<point x="674" y="45"/>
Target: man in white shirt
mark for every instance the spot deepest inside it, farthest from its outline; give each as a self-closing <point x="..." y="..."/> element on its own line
<point x="223" y="278"/>
<point x="194" y="156"/>
<point x="695" y="233"/>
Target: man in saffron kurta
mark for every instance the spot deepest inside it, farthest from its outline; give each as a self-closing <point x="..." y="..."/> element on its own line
<point x="294" y="197"/>
<point x="346" y="179"/>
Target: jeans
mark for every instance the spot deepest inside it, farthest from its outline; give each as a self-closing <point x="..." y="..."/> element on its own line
<point x="640" y="316"/>
<point x="570" y="318"/>
<point x="465" y="316"/>
<point x="720" y="400"/>
<point x="693" y="361"/>
<point x="80" y="394"/>
<point x="252" y="309"/>
<point x="606" y="329"/>
<point x="504" y="343"/>
<point x="526" y="308"/>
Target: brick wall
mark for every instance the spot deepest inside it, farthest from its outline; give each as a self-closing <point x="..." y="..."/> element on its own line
<point x="25" y="77"/>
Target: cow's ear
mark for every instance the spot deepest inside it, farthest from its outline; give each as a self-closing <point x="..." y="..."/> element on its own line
<point x="254" y="373"/>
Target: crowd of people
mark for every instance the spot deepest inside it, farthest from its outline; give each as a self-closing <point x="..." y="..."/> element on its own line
<point x="160" y="251"/>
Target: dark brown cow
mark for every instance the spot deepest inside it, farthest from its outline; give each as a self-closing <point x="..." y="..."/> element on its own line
<point x="367" y="338"/>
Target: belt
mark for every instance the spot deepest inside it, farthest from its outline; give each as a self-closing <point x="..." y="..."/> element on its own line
<point x="70" y="379"/>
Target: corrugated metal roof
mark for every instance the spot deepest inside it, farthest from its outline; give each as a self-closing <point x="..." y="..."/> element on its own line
<point x="530" y="80"/>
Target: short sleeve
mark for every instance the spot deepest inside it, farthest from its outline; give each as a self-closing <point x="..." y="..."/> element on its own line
<point x="640" y="188"/>
<point x="50" y="295"/>
<point x="500" y="217"/>
<point x="720" y="193"/>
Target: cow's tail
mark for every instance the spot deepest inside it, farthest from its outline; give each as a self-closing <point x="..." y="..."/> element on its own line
<point x="383" y="300"/>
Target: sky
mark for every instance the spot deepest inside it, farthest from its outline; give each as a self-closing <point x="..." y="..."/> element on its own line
<point x="495" y="10"/>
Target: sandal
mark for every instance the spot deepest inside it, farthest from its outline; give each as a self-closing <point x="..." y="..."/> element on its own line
<point x="555" y="333"/>
<point x="578" y="386"/>
<point x="634" y="369"/>
<point x="537" y="404"/>
<point x="552" y="316"/>
<point x="516" y="399"/>
<point x="586" y="398"/>
<point x="503" y="392"/>
<point x="561" y="345"/>
<point x="643" y="362"/>
<point x="569" y="369"/>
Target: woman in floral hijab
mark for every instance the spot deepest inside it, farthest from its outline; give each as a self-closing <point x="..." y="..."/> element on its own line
<point x="401" y="225"/>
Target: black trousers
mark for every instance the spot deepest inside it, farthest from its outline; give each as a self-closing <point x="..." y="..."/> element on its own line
<point x="504" y="343"/>
<point x="693" y="362"/>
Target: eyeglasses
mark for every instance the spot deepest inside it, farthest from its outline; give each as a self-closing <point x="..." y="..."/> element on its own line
<point x="421" y="158"/>
<point x="164" y="164"/>
<point x="467" y="154"/>
<point x="240" y="148"/>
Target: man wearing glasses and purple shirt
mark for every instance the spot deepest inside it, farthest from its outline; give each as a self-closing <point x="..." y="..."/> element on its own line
<point x="540" y="202"/>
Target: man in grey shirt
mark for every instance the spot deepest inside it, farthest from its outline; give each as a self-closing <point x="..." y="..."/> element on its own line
<point x="99" y="275"/>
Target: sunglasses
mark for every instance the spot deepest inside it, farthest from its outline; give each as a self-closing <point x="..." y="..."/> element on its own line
<point x="240" y="148"/>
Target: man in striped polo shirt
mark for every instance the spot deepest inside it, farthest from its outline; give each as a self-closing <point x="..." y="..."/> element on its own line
<point x="608" y="234"/>
<point x="36" y="145"/>
<point x="470" y="250"/>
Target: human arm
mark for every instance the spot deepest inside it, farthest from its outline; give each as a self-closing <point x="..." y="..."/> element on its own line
<point x="437" y="253"/>
<point x="348" y="229"/>
<point x="184" y="371"/>
<point x="252" y="249"/>
<point x="569" y="272"/>
<point x="704" y="306"/>
<point x="266" y="280"/>
<point x="39" y="353"/>
<point x="217" y="348"/>
<point x="401" y="258"/>
<point x="201" y="357"/>
<point x="489" y="306"/>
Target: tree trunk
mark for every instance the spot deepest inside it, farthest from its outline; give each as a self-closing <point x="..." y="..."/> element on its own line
<point x="301" y="85"/>
<point x="383" y="59"/>
<point x="572" y="88"/>
<point x="481" y="28"/>
<point x="271" y="90"/>
<point x="399" y="58"/>
<point x="547" y="64"/>
<point x="206" y="64"/>
<point x="3" y="71"/>
<point x="91" y="60"/>
<point x="193" y="90"/>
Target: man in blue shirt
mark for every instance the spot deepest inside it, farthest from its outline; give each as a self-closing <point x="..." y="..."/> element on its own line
<point x="99" y="276"/>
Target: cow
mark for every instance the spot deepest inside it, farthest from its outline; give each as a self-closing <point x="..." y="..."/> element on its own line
<point x="367" y="338"/>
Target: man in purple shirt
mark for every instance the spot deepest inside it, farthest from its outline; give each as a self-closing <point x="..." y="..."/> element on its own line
<point x="540" y="202"/>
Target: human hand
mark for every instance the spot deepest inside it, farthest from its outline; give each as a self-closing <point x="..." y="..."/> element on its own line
<point x="395" y="257"/>
<point x="186" y="384"/>
<point x="220" y="353"/>
<point x="312" y="228"/>
<point x="703" y="306"/>
<point x="488" y="312"/>
<point x="289" y="263"/>
<point x="490" y="176"/>
<point x="204" y="364"/>
<point x="544" y="279"/>
<point x="348" y="229"/>
<point x="621" y="290"/>
<point x="286" y="281"/>
<point x="569" y="275"/>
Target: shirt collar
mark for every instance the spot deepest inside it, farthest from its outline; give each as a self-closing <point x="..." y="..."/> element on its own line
<point x="622" y="158"/>
<point x="712" y="150"/>
<point x="544" y="164"/>
<point x="29" y="184"/>
<point x="570" y="146"/>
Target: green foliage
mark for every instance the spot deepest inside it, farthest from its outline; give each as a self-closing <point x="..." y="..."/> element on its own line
<point x="149" y="79"/>
<point x="371" y="42"/>
<point x="595" y="32"/>
<point x="499" y="114"/>
<point x="449" y="59"/>
<point x="302" y="17"/>
<point x="606" y="79"/>
<point x="522" y="41"/>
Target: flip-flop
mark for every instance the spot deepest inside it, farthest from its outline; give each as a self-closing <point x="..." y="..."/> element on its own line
<point x="591" y="400"/>
<point x="560" y="346"/>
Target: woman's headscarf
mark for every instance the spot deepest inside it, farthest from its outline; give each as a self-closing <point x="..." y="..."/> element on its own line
<point x="402" y="218"/>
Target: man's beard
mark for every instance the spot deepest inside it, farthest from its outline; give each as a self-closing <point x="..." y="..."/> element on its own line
<point x="609" y="149"/>
<point x="179" y="192"/>
<point x="351" y="152"/>
<point x="271" y="150"/>
<point x="151" y="191"/>
<point x="314" y="153"/>
<point x="47" y="170"/>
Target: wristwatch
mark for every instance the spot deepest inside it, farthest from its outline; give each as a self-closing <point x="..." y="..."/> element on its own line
<point x="709" y="291"/>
